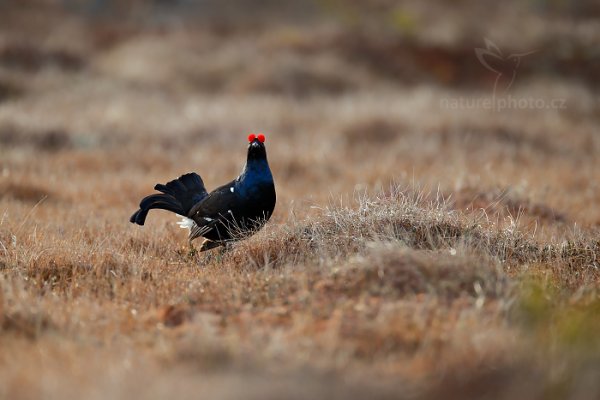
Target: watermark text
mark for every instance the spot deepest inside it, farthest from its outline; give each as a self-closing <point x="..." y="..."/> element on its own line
<point x="502" y="103"/>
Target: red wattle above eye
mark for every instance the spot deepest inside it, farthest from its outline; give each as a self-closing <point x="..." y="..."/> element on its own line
<point x="251" y="137"/>
<point x="261" y="138"/>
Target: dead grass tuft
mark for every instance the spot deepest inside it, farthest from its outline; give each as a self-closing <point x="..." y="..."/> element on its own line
<point x="402" y="272"/>
<point x="63" y="275"/>
<point x="405" y="219"/>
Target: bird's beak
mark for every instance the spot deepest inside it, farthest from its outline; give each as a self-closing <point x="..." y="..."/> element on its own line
<point x="255" y="143"/>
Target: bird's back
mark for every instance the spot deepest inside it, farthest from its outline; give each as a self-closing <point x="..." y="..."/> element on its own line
<point x="233" y="211"/>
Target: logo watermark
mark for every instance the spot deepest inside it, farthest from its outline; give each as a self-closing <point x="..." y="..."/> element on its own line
<point x="502" y="103"/>
<point x="505" y="69"/>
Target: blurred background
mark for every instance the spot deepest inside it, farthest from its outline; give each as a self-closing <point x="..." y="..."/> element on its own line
<point x="479" y="105"/>
<point x="351" y="95"/>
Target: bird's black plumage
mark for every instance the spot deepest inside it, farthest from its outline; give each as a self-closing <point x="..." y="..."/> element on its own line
<point x="231" y="212"/>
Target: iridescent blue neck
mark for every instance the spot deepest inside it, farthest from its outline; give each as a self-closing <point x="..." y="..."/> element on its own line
<point x="254" y="172"/>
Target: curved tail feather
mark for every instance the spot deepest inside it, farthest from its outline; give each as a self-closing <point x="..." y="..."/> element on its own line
<point x="178" y="196"/>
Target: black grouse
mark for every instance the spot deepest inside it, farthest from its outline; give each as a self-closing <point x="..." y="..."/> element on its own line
<point x="231" y="212"/>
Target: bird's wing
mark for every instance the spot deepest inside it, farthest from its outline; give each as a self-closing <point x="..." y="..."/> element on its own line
<point x="213" y="208"/>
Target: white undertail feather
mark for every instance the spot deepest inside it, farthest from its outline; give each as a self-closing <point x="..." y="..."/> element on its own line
<point x="186" y="223"/>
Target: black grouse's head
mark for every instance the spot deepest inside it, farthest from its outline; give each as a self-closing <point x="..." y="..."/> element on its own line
<point x="256" y="147"/>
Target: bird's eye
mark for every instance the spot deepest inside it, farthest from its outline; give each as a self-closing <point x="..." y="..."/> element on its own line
<point x="261" y="138"/>
<point x="251" y="137"/>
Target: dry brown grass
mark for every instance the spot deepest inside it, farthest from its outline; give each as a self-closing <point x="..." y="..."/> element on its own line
<point x="416" y="251"/>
